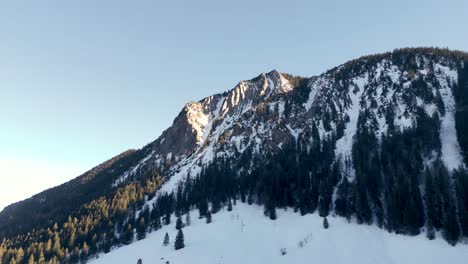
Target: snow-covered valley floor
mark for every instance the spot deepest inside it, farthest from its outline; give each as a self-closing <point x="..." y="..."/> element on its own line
<point x="245" y="236"/>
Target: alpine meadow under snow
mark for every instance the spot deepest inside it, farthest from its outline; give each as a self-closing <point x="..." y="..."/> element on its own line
<point x="377" y="146"/>
<point x="244" y="235"/>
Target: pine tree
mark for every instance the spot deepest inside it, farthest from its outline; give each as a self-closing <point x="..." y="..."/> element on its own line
<point x="71" y="240"/>
<point x="270" y="209"/>
<point x="19" y="255"/>
<point x="156" y="218"/>
<point x="57" y="246"/>
<point x="31" y="259"/>
<point x="272" y="213"/>
<point x="441" y="189"/>
<point x="140" y="261"/>
<point x="229" y="207"/>
<point x="127" y="236"/>
<point x="203" y="208"/>
<point x="462" y="199"/>
<point x="167" y="218"/>
<point x="325" y="197"/>
<point x="93" y="249"/>
<point x="250" y="198"/>
<point x="74" y="256"/>
<point x="166" y="239"/>
<point x="325" y="223"/>
<point x="179" y="223"/>
<point x="41" y="259"/>
<point x="179" y="241"/>
<point x="208" y="217"/>
<point x="416" y="209"/>
<point x="54" y="260"/>
<point x="141" y="229"/>
<point x="48" y="249"/>
<point x="430" y="233"/>
<point x="342" y="206"/>
<point x="451" y="231"/>
<point x="429" y="202"/>
<point x="84" y="252"/>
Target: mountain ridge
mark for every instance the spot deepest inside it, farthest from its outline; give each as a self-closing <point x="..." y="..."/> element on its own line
<point x="363" y="135"/>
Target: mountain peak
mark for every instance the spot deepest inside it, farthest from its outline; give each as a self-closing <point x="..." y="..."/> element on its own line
<point x="285" y="141"/>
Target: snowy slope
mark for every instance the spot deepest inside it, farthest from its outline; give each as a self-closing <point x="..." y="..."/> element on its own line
<point x="225" y="125"/>
<point x="244" y="235"/>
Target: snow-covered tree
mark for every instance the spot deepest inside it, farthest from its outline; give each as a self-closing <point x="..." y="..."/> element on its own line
<point x="166" y="239"/>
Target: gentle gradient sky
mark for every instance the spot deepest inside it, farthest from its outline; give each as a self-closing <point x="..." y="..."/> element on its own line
<point x="81" y="81"/>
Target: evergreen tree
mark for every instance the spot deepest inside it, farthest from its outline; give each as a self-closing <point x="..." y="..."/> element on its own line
<point x="140" y="261"/>
<point x="216" y="205"/>
<point x="127" y="236"/>
<point x="141" y="229"/>
<point x="203" y="208"/>
<point x="41" y="259"/>
<point x="71" y="240"/>
<point x="461" y="187"/>
<point x="415" y="208"/>
<point x="430" y="233"/>
<point x="167" y="217"/>
<point x="342" y="203"/>
<point x="179" y="223"/>
<point x="325" y="197"/>
<point x="179" y="241"/>
<point x="270" y="210"/>
<point x="441" y="189"/>
<point x="166" y="239"/>
<point x="363" y="211"/>
<point x="156" y="218"/>
<point x="19" y="255"/>
<point x="84" y="252"/>
<point x="451" y="231"/>
<point x="325" y="223"/>
<point x="74" y="256"/>
<point x="31" y="259"/>
<point x="229" y="207"/>
<point x="208" y="217"/>
<point x="250" y="198"/>
<point x="429" y="202"/>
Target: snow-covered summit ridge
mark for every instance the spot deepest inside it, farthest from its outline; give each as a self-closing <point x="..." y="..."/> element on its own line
<point x="242" y="98"/>
<point x="274" y="109"/>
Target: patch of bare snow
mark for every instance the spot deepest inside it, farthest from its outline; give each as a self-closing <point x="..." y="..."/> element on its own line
<point x="344" y="145"/>
<point x="451" y="154"/>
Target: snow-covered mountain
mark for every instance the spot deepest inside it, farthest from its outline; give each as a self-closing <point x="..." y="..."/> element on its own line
<point x="268" y="111"/>
<point x="381" y="140"/>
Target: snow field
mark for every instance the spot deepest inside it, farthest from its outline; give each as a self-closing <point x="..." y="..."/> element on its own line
<point x="244" y="235"/>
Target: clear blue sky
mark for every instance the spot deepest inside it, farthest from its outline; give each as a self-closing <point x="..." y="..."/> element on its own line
<point x="81" y="81"/>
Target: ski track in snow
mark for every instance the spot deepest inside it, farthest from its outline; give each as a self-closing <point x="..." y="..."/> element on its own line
<point x="245" y="236"/>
